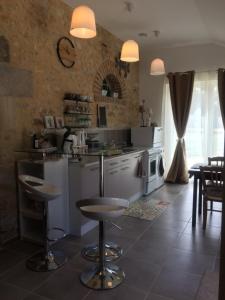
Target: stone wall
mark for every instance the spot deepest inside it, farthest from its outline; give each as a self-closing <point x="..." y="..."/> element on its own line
<point x="33" y="82"/>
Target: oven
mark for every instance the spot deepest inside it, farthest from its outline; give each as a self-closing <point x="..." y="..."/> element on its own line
<point x="153" y="162"/>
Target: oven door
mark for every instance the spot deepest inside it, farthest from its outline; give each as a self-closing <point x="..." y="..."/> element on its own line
<point x="160" y="167"/>
<point x="152" y="167"/>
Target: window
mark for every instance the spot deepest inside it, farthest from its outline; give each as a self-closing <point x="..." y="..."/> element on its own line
<point x="204" y="133"/>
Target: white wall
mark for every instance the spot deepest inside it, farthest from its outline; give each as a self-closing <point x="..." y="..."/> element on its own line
<point x="199" y="58"/>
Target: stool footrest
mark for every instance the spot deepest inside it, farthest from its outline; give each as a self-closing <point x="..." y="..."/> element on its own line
<point x="56" y="229"/>
<point x="112" y="252"/>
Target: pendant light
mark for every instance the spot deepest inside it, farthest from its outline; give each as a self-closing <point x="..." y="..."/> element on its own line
<point x="130" y="51"/>
<point x="157" y="66"/>
<point x="83" y="23"/>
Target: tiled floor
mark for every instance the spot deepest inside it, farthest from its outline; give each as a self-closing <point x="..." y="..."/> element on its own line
<point x="164" y="259"/>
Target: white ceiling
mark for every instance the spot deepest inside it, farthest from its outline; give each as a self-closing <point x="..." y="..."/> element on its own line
<point x="181" y="22"/>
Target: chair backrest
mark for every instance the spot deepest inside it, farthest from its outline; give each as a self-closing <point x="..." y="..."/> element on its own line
<point x="216" y="161"/>
<point x="214" y="174"/>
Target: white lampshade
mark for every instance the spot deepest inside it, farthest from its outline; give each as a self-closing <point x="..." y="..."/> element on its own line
<point x="130" y="51"/>
<point x="157" y="67"/>
<point x="83" y="23"/>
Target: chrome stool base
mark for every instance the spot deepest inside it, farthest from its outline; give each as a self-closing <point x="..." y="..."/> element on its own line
<point x="41" y="262"/>
<point x="112" y="252"/>
<point x="111" y="277"/>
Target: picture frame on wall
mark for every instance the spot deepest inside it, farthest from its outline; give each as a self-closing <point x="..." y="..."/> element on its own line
<point x="59" y="122"/>
<point x="101" y="116"/>
<point x="49" y="122"/>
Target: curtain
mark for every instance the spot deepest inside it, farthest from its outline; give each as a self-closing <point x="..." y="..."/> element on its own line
<point x="204" y="135"/>
<point x="221" y="90"/>
<point x="169" y="130"/>
<point x="181" y="88"/>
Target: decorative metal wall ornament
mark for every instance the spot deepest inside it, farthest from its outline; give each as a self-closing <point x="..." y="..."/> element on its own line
<point x="66" y="52"/>
<point x="123" y="66"/>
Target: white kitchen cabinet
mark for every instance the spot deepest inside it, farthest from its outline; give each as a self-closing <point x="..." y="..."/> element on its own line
<point x="121" y="177"/>
<point x="90" y="181"/>
<point x="137" y="183"/>
<point x="83" y="183"/>
<point x="112" y="182"/>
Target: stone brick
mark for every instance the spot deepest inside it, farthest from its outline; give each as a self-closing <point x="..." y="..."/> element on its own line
<point x="15" y="82"/>
<point x="4" y="50"/>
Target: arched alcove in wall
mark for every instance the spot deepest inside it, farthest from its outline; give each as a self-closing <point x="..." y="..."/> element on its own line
<point x="108" y="83"/>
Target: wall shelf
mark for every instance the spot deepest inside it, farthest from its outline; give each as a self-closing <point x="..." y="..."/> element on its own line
<point x="78" y="127"/>
<point x="78" y="113"/>
<point x="81" y="101"/>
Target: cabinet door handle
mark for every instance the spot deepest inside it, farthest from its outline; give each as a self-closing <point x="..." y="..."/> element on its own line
<point x="113" y="172"/>
<point x="123" y="160"/>
<point x="94" y="168"/>
<point x="125" y="168"/>
<point x="113" y="163"/>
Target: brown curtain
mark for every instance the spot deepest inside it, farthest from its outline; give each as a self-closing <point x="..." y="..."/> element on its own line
<point x="221" y="89"/>
<point x="181" y="88"/>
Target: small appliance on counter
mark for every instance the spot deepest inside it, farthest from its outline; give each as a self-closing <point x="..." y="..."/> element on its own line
<point x="81" y="137"/>
<point x="150" y="137"/>
<point x="69" y="141"/>
<point x="74" y="142"/>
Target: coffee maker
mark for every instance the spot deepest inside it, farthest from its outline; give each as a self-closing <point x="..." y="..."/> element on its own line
<point x="70" y="141"/>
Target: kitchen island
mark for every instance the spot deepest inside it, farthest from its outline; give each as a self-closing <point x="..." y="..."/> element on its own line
<point x="78" y="179"/>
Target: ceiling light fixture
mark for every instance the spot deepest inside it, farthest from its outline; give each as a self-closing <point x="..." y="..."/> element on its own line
<point x="157" y="66"/>
<point x="83" y="23"/>
<point x="130" y="51"/>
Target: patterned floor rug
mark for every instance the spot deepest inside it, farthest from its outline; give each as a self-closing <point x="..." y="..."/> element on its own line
<point x="146" y="208"/>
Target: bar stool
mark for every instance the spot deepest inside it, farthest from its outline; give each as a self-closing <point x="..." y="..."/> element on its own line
<point x="39" y="190"/>
<point x="103" y="275"/>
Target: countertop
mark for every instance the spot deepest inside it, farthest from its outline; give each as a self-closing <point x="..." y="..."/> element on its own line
<point x="93" y="158"/>
<point x="85" y="159"/>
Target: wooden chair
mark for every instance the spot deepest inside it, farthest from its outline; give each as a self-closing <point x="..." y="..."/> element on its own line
<point x="212" y="192"/>
<point x="216" y="161"/>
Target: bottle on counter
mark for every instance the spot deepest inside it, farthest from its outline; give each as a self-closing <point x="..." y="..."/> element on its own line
<point x="35" y="142"/>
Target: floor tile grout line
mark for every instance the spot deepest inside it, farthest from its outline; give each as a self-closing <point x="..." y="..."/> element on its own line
<point x="154" y="281"/>
<point x="50" y="276"/>
<point x="200" y="282"/>
<point x="34" y="294"/>
<point x="4" y="273"/>
<point x="85" y="297"/>
<point x="14" y="285"/>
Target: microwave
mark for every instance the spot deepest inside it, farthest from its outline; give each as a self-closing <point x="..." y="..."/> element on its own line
<point x="150" y="137"/>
